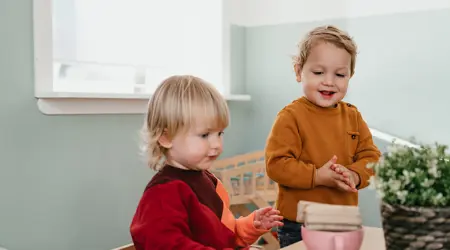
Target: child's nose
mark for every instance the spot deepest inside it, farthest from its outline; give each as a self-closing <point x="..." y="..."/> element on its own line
<point x="215" y="143"/>
<point x="328" y="81"/>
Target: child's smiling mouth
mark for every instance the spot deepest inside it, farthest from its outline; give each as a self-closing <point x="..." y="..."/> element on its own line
<point x="327" y="94"/>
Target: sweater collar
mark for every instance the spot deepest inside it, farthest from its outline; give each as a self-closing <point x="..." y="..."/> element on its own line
<point x="313" y="107"/>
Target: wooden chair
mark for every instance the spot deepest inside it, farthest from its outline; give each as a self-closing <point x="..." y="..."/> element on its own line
<point x="126" y="247"/>
<point x="244" y="177"/>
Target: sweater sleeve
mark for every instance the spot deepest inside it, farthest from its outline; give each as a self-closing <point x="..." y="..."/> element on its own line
<point x="366" y="152"/>
<point x="283" y="149"/>
<point x="161" y="222"/>
<point x="245" y="230"/>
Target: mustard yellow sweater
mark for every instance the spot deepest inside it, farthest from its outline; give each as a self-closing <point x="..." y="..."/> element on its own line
<point x="303" y="138"/>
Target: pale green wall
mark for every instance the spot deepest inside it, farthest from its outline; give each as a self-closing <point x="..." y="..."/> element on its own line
<point x="72" y="182"/>
<point x="66" y="182"/>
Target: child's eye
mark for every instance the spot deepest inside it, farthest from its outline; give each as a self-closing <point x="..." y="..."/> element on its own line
<point x="221" y="133"/>
<point x="340" y="75"/>
<point x="204" y="135"/>
<point x="317" y="72"/>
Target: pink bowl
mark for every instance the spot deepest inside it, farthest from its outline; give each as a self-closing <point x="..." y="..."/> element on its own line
<point x="323" y="240"/>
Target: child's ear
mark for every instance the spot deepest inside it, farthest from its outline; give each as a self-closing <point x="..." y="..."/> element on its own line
<point x="164" y="140"/>
<point x="298" y="73"/>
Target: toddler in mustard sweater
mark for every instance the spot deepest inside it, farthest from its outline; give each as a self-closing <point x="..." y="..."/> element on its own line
<point x="319" y="146"/>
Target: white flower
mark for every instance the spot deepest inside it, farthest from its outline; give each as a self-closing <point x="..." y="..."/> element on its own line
<point x="395" y="185"/>
<point x="427" y="183"/>
<point x="434" y="153"/>
<point x="433" y="169"/>
<point x="380" y="193"/>
<point x="401" y="195"/>
<point x="391" y="173"/>
<point x="406" y="177"/>
<point x="396" y="149"/>
<point x="380" y="184"/>
<point x="438" y="199"/>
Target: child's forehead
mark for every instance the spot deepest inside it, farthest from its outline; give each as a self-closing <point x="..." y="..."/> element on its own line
<point x="325" y="48"/>
<point x="329" y="54"/>
<point x="203" y="124"/>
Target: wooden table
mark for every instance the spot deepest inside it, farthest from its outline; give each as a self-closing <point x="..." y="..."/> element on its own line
<point x="373" y="240"/>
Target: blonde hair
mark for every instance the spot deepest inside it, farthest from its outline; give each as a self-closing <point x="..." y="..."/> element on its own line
<point x="177" y="104"/>
<point x="328" y="34"/>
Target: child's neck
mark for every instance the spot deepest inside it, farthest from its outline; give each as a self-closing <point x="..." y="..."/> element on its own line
<point x="179" y="166"/>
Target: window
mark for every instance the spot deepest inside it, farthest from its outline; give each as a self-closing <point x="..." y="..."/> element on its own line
<point x="93" y="52"/>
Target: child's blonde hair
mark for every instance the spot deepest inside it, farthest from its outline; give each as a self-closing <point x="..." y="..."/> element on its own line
<point x="177" y="104"/>
<point x="328" y="34"/>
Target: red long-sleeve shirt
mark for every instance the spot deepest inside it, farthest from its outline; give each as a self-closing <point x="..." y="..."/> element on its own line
<point x="184" y="209"/>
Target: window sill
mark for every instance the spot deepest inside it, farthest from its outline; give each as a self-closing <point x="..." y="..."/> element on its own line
<point x="63" y="103"/>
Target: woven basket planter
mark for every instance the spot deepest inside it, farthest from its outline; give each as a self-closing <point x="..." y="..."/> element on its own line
<point x="407" y="228"/>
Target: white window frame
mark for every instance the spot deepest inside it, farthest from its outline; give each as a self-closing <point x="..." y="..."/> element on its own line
<point x="388" y="138"/>
<point x="60" y="103"/>
<point x="391" y="138"/>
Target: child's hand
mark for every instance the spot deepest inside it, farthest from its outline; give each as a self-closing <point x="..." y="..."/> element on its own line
<point x="266" y="218"/>
<point x="352" y="177"/>
<point x="326" y="176"/>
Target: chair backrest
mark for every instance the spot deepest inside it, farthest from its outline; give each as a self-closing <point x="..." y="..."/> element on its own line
<point x="243" y="176"/>
<point x="238" y="160"/>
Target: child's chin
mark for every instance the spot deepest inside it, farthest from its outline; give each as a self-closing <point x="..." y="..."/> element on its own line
<point x="326" y="104"/>
<point x="330" y="103"/>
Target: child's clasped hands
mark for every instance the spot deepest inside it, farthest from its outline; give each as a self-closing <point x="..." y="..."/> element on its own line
<point x="338" y="176"/>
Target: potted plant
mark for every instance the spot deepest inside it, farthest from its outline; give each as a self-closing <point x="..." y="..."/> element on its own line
<point x="413" y="184"/>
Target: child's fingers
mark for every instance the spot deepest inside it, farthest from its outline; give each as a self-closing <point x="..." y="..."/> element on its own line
<point x="346" y="174"/>
<point x="272" y="224"/>
<point x="331" y="162"/>
<point x="346" y="179"/>
<point x="277" y="224"/>
<point x="353" y="189"/>
<point x="335" y="167"/>
<point x="340" y="177"/>
<point x="345" y="187"/>
<point x="340" y="169"/>
<point x="333" y="159"/>
<point x="351" y="180"/>
<point x="352" y="183"/>
<point x="257" y="223"/>
<point x="276" y="217"/>
<point x="265" y="210"/>
<point x="273" y="212"/>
